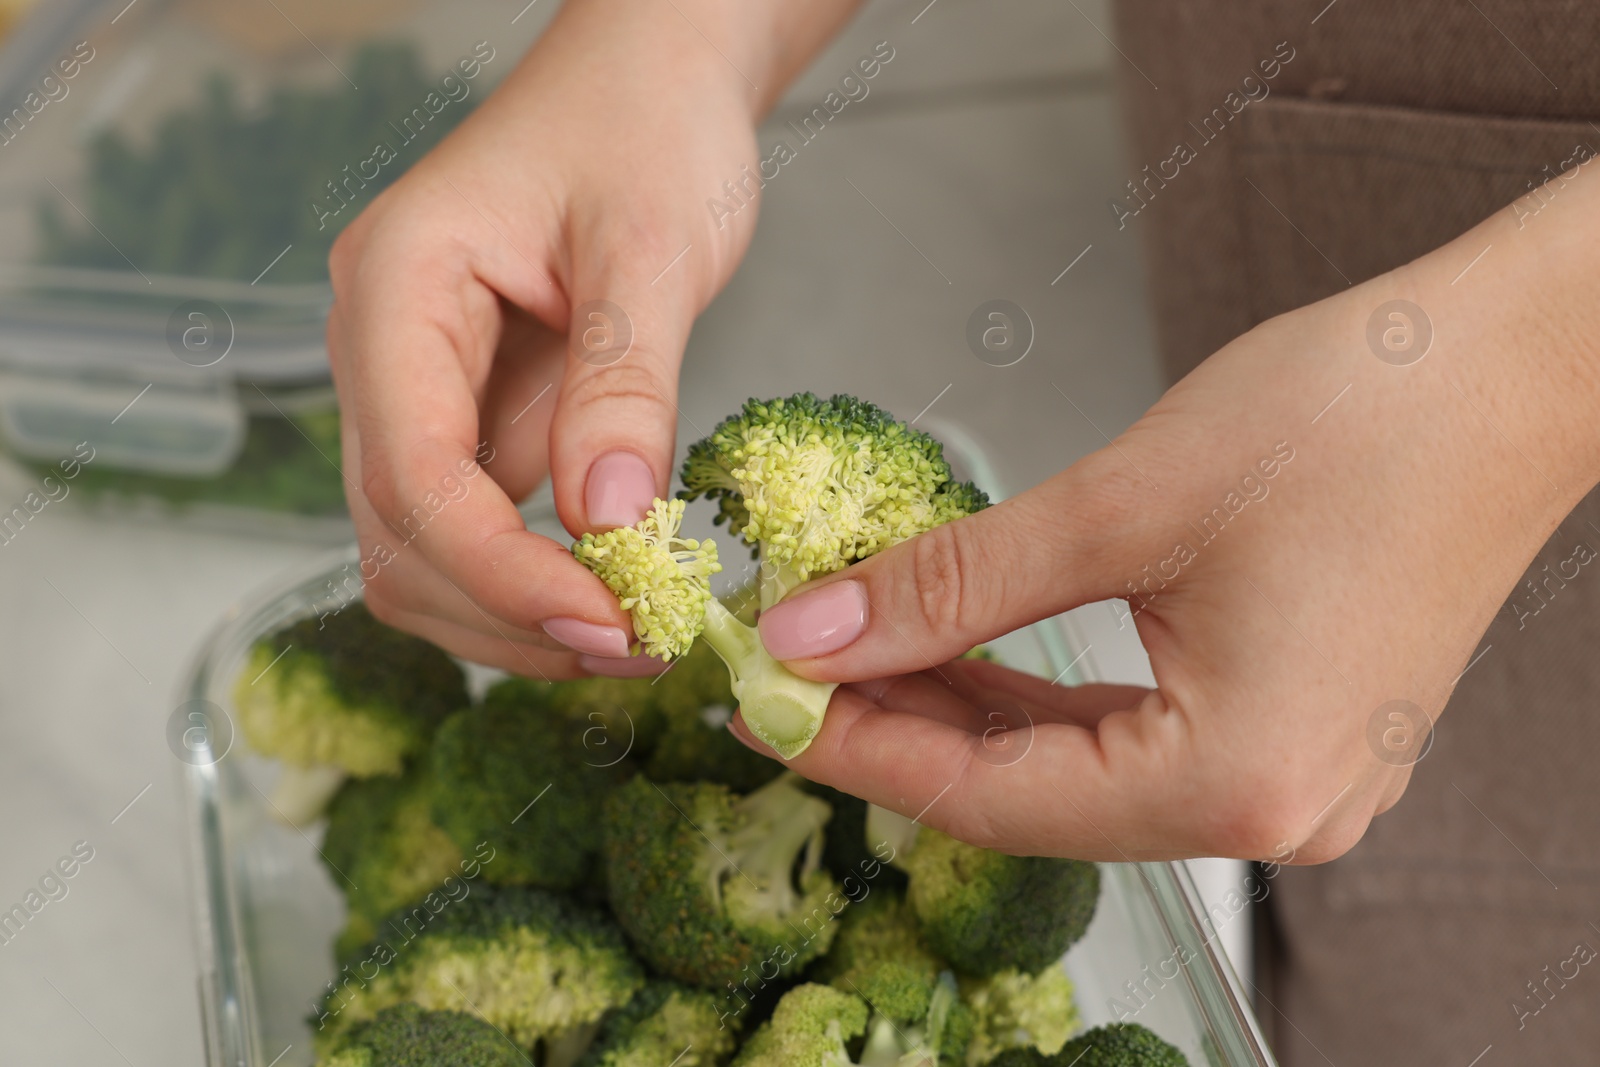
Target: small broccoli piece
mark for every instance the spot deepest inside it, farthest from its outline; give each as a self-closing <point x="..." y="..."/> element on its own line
<point x="937" y="1039"/>
<point x="879" y="955"/>
<point x="662" y="579"/>
<point x="694" y="703"/>
<point x="342" y="695"/>
<point x="384" y="850"/>
<point x="1017" y="1010"/>
<point x="988" y="912"/>
<point x="522" y="779"/>
<point x="1119" y="1045"/>
<point x="810" y="1027"/>
<point x="540" y="968"/>
<point x="813" y="485"/>
<point x="715" y="888"/>
<point x="405" y="1035"/>
<point x="664" y="1024"/>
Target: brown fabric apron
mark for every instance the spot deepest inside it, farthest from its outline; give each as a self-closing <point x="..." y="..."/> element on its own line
<point x="1466" y="923"/>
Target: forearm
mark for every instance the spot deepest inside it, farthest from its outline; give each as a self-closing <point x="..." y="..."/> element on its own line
<point x="755" y="47"/>
<point x="1514" y="305"/>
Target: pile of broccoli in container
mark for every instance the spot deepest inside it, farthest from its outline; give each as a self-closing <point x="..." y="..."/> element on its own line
<point x="597" y="873"/>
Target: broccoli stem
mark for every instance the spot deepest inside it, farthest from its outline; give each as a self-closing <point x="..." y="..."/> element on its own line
<point x="776" y="822"/>
<point x="302" y="793"/>
<point x="885" y="826"/>
<point x="782" y="709"/>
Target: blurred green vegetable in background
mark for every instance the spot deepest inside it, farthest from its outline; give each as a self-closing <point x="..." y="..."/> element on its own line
<point x="221" y="187"/>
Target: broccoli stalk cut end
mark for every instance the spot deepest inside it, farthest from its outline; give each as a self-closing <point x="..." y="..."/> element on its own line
<point x="782" y="709"/>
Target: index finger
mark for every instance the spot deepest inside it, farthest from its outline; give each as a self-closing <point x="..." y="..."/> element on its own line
<point x="415" y="341"/>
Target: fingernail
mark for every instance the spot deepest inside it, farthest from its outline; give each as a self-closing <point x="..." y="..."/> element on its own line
<point x="631" y="667"/>
<point x="815" y="623"/>
<point x="589" y="637"/>
<point x="619" y="490"/>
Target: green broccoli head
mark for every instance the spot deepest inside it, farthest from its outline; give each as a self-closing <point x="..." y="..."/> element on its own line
<point x="524" y="780"/>
<point x="405" y="1035"/>
<point x="663" y="580"/>
<point x="664" y="1024"/>
<point x="1013" y="1009"/>
<point x="716" y="888"/>
<point x="816" y="484"/>
<point x="348" y="691"/>
<point x="536" y="966"/>
<point x="1119" y="1045"/>
<point x="988" y="912"/>
<point x="384" y="850"/>
<point x="879" y="955"/>
<point x="810" y="1027"/>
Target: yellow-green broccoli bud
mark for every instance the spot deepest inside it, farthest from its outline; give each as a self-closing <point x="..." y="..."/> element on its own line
<point x="816" y="484"/>
<point x="1014" y="1009"/>
<point x="663" y="580"/>
<point x="809" y="1028"/>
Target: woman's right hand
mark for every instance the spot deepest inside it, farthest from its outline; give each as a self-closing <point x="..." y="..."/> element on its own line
<point x="484" y="305"/>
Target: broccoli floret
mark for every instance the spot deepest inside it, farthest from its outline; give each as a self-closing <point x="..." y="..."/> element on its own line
<point x="988" y="912"/>
<point x="662" y="579"/>
<point x="384" y="850"/>
<point x="813" y="485"/>
<point x="810" y="1027"/>
<point x="937" y="1039"/>
<point x="618" y="716"/>
<point x="715" y="888"/>
<point x="408" y="1036"/>
<point x="664" y="1024"/>
<point x="1119" y="1045"/>
<point x="342" y="695"/>
<point x="814" y="1026"/>
<point x="1017" y="1010"/>
<point x="522" y="779"/>
<point x="879" y="955"/>
<point x="694" y="701"/>
<point x="673" y="725"/>
<point x="540" y="968"/>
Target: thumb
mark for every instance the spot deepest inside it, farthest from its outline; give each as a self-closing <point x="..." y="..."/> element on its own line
<point x="929" y="599"/>
<point x="612" y="434"/>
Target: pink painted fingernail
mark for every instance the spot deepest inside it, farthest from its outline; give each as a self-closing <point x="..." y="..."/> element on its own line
<point x="631" y="667"/>
<point x="619" y="490"/>
<point x="815" y="623"/>
<point x="589" y="637"/>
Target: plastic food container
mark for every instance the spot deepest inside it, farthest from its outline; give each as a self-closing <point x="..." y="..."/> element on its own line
<point x="267" y="911"/>
<point x="173" y="173"/>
